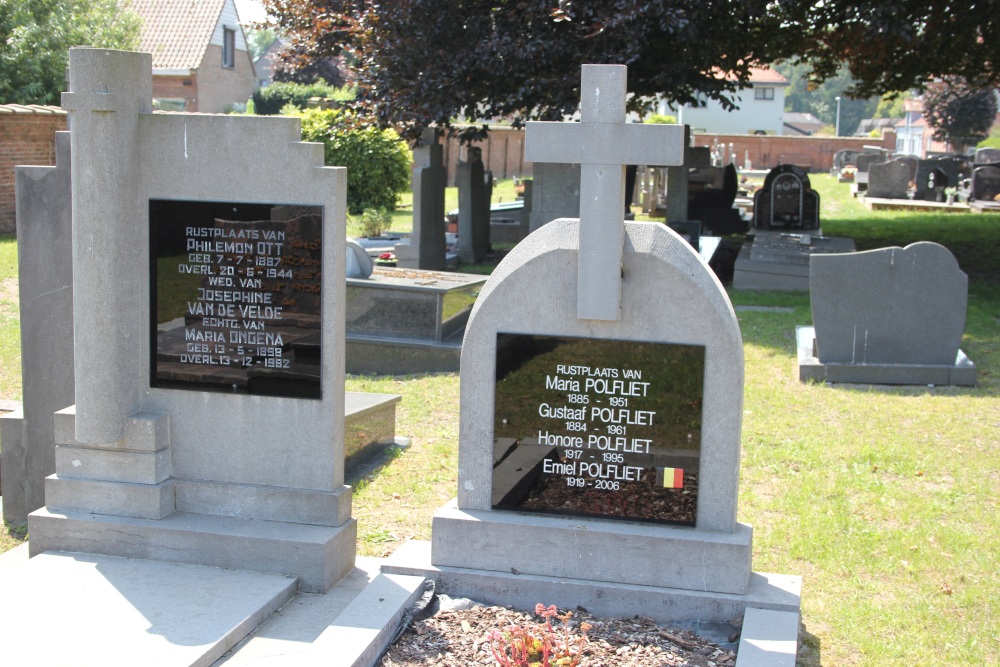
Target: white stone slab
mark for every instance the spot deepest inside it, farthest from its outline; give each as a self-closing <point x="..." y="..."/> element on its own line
<point x="77" y="609"/>
<point x="769" y="638"/>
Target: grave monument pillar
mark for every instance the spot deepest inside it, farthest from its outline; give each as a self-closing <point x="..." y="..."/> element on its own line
<point x="425" y="249"/>
<point x="475" y="186"/>
<point x="109" y="89"/>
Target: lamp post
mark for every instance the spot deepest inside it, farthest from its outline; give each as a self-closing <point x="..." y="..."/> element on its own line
<point x="838" y="116"/>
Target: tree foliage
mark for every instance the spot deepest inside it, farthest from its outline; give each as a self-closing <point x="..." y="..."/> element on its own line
<point x="959" y="113"/>
<point x="895" y="45"/>
<point x="420" y="62"/>
<point x="377" y="160"/>
<point x="805" y="96"/>
<point x="35" y="38"/>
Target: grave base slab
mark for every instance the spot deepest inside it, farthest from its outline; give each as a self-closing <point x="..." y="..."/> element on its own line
<point x="777" y="592"/>
<point x="372" y="355"/>
<point x="623" y="552"/>
<point x="120" y="612"/>
<point x="317" y="555"/>
<point x="962" y="373"/>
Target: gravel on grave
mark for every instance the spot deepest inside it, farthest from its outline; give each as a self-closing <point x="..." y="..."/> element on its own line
<point x="459" y="639"/>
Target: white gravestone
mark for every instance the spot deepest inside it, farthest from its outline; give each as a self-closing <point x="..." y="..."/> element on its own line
<point x="570" y="422"/>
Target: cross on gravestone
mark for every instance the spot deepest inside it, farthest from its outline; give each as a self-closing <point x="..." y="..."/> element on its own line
<point x="602" y="144"/>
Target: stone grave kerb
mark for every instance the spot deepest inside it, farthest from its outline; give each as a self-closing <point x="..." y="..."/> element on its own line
<point x="165" y="472"/>
<point x="602" y="144"/>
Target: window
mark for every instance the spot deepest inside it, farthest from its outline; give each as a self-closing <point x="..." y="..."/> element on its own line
<point x="763" y="93"/>
<point x="228" y="47"/>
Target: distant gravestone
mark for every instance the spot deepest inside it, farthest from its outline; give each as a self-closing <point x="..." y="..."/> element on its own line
<point x="889" y="180"/>
<point x="359" y="264"/>
<point x="986" y="183"/>
<point x="987" y="155"/>
<point x="786" y="201"/>
<point x="711" y="193"/>
<point x="585" y="418"/>
<point x="426" y="247"/>
<point x="844" y="157"/>
<point x="555" y="193"/>
<point x="907" y="331"/>
<point x="475" y="186"/>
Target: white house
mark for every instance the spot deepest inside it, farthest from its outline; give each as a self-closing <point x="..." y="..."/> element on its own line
<point x="761" y="108"/>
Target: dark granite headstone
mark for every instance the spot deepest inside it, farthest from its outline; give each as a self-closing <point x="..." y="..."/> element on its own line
<point x="786" y="201"/>
<point x="987" y="155"/>
<point x="986" y="183"/>
<point x="235" y="295"/>
<point x="865" y="160"/>
<point x="889" y="180"/>
<point x="915" y="316"/>
<point x="711" y="193"/>
<point x="598" y="428"/>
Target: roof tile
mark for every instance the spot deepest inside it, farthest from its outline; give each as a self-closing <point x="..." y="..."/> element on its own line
<point x="177" y="32"/>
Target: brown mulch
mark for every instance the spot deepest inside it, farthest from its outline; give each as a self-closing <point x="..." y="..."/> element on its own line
<point x="460" y="639"/>
<point x="634" y="500"/>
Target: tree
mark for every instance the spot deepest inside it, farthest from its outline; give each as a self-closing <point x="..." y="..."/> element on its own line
<point x="259" y="39"/>
<point x="420" y="63"/>
<point x="519" y="59"/>
<point x="896" y="45"/>
<point x="959" y="113"/>
<point x="35" y="38"/>
<point x="805" y="95"/>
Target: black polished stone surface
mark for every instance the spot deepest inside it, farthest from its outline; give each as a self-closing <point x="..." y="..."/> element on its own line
<point x="598" y="428"/>
<point x="235" y="297"/>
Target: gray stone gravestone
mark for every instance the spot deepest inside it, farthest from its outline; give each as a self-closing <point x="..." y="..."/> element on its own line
<point x="907" y="331"/>
<point x="986" y="184"/>
<point x="475" y="186"/>
<point x="844" y="157"/>
<point x="864" y="161"/>
<point x="572" y="432"/>
<point x="46" y="303"/>
<point x="987" y="155"/>
<point x="426" y="247"/>
<point x="555" y="193"/>
<point x="206" y="474"/>
<point x="889" y="180"/>
<point x="786" y="201"/>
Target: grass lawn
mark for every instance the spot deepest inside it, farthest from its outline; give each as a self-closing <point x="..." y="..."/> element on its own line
<point x="885" y="500"/>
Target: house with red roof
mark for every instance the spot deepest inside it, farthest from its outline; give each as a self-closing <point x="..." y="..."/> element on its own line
<point x="761" y="108"/>
<point x="200" y="57"/>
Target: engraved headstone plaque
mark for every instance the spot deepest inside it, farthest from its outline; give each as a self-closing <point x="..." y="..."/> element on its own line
<point x="598" y="428"/>
<point x="235" y="297"/>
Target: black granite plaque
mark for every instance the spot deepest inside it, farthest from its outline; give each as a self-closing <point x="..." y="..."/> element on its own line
<point x="235" y="297"/>
<point x="598" y="428"/>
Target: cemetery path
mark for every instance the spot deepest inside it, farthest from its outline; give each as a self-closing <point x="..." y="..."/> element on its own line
<point x="463" y="637"/>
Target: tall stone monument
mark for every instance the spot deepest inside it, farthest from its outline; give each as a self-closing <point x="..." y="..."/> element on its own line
<point x="206" y="284"/>
<point x="426" y="246"/>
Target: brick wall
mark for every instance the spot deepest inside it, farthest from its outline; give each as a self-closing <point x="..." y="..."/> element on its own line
<point x="813" y="153"/>
<point x="28" y="137"/>
<point x="178" y="88"/>
<point x="503" y="151"/>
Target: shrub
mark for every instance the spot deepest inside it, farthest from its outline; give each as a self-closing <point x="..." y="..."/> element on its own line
<point x="374" y="221"/>
<point x="660" y="119"/>
<point x="377" y="161"/>
<point x="270" y="100"/>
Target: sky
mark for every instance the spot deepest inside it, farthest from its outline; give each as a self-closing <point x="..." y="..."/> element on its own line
<point x="250" y="10"/>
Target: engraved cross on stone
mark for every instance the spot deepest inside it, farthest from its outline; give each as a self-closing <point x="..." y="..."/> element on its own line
<point x="602" y="144"/>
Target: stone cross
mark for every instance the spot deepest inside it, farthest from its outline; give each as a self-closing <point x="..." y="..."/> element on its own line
<point x="602" y="144"/>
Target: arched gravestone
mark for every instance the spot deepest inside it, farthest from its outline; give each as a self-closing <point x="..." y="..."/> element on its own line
<point x="786" y="201"/>
<point x="986" y="183"/>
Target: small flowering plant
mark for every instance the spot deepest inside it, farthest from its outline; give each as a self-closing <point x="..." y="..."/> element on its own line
<point x="539" y="645"/>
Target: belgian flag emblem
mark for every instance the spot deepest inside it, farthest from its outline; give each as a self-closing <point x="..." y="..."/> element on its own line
<point x="670" y="478"/>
